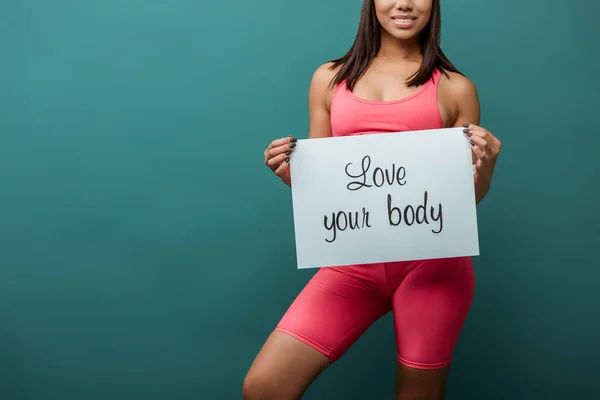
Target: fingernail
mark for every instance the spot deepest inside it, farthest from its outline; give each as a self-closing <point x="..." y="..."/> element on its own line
<point x="287" y="160"/>
<point x="293" y="140"/>
<point x="287" y="153"/>
<point x="469" y="134"/>
<point x="466" y="125"/>
<point x="472" y="143"/>
<point x="292" y="145"/>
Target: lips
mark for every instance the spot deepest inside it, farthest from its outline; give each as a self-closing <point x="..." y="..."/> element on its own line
<point x="404" y="20"/>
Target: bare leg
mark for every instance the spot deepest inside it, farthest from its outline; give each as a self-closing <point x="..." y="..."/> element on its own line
<point x="420" y="384"/>
<point x="334" y="309"/>
<point x="283" y="369"/>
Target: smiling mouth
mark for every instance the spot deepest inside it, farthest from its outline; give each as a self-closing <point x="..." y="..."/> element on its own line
<point x="404" y="19"/>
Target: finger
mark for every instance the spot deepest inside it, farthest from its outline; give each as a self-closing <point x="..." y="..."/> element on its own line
<point x="479" y="151"/>
<point x="493" y="144"/>
<point x="474" y="129"/>
<point x="277" y="142"/>
<point x="481" y="142"/>
<point x="274" y="162"/>
<point x="281" y="142"/>
<point x="472" y="126"/>
<point x="275" y="151"/>
<point x="282" y="167"/>
<point x="479" y="137"/>
<point x="479" y="131"/>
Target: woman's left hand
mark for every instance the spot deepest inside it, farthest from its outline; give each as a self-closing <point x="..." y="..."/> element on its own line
<point x="486" y="148"/>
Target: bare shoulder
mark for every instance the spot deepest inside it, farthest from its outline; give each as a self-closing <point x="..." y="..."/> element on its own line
<point x="320" y="96"/>
<point x="459" y="99"/>
<point x="320" y="86"/>
<point x="324" y="74"/>
<point x="459" y="86"/>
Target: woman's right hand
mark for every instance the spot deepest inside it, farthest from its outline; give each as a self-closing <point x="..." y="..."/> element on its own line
<point x="277" y="157"/>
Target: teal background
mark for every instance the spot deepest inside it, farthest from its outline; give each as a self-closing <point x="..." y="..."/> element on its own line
<point x="146" y="252"/>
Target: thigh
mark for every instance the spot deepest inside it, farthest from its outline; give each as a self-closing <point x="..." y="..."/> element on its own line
<point x="334" y="309"/>
<point x="430" y="308"/>
<point x="326" y="318"/>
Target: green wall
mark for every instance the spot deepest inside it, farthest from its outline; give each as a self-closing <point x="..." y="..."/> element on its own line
<point x="146" y="252"/>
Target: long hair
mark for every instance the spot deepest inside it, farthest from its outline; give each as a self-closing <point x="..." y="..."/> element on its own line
<point x="368" y="42"/>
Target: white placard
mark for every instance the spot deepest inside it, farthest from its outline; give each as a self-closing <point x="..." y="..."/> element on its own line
<point x="383" y="197"/>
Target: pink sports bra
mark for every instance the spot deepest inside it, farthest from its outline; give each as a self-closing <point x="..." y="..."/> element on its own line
<point x="352" y="115"/>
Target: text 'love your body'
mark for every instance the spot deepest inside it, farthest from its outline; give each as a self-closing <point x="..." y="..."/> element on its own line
<point x="365" y="178"/>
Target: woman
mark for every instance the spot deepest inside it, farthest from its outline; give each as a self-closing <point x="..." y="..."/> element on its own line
<point x="394" y="78"/>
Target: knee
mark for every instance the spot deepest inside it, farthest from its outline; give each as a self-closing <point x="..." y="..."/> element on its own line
<point x="256" y="386"/>
<point x="250" y="388"/>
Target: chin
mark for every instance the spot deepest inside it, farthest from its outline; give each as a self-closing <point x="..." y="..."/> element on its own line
<point x="403" y="33"/>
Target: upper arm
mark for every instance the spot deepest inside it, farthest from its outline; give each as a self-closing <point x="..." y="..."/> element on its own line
<point x="318" y="102"/>
<point x="466" y="102"/>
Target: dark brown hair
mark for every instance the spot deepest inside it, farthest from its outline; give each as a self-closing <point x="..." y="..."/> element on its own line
<point x="368" y="42"/>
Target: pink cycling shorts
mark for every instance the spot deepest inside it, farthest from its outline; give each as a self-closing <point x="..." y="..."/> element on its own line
<point x="429" y="299"/>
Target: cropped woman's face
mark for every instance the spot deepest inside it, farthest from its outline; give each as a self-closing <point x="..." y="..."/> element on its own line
<point x="403" y="19"/>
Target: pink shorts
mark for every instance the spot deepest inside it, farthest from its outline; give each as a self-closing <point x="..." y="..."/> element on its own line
<point x="430" y="300"/>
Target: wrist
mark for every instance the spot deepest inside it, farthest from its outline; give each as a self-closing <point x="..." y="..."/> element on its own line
<point x="482" y="185"/>
<point x="286" y="179"/>
<point x="481" y="177"/>
<point x="484" y="173"/>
